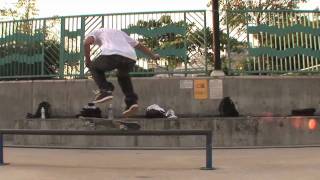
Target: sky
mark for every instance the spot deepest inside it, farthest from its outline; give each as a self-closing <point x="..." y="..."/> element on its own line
<point x="49" y="8"/>
<point x="77" y="7"/>
<point x="312" y="4"/>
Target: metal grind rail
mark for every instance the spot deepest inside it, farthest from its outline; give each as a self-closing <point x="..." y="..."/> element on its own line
<point x="206" y="133"/>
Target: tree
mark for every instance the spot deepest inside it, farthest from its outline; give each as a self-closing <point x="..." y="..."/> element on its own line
<point x="23" y="9"/>
<point x="230" y="8"/>
<point x="6" y="12"/>
<point x="193" y="41"/>
<point x="167" y="40"/>
<point x="294" y="46"/>
<point x="196" y="36"/>
<point x="28" y="8"/>
<point x="236" y="14"/>
<point x="26" y="41"/>
<point x="258" y="4"/>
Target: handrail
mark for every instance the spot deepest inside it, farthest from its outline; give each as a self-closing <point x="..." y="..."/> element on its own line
<point x="207" y="133"/>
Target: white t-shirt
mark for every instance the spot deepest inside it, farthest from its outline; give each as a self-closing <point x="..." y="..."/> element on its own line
<point x="114" y="42"/>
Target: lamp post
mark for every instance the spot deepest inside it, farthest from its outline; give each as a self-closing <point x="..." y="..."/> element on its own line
<point x="216" y="34"/>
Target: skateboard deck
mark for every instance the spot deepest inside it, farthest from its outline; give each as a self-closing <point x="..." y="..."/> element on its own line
<point x="111" y="124"/>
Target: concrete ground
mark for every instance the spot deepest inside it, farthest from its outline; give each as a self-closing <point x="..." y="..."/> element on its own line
<point x="237" y="164"/>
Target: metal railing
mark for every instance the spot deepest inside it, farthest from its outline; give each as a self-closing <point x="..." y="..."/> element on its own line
<point x="206" y="133"/>
<point x="265" y="42"/>
<point x="53" y="47"/>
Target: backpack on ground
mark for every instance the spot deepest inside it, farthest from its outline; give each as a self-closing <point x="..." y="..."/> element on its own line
<point x="47" y="110"/>
<point x="90" y="110"/>
<point x="155" y="111"/>
<point x="227" y="108"/>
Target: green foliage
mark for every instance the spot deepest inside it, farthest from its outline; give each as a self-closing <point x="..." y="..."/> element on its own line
<point x="27" y="8"/>
<point x="229" y="10"/>
<point x="193" y="40"/>
<point x="258" y="4"/>
<point x="48" y="49"/>
<point x="233" y="14"/>
<point x="25" y="51"/>
<point x="165" y="40"/>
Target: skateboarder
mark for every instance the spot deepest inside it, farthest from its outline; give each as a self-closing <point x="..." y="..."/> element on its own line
<point x="117" y="53"/>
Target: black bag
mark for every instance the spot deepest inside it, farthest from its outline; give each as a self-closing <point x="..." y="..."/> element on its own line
<point x="47" y="110"/>
<point x="90" y="111"/>
<point x="155" y="111"/>
<point x="227" y="108"/>
<point x="303" y="112"/>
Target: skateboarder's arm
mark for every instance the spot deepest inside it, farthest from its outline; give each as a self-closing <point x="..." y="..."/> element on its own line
<point x="87" y="42"/>
<point x="147" y="51"/>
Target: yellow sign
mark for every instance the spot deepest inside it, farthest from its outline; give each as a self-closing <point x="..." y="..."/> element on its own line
<point x="201" y="89"/>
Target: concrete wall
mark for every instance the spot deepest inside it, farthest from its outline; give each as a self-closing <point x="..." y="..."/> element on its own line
<point x="227" y="132"/>
<point x="277" y="96"/>
<point x="254" y="96"/>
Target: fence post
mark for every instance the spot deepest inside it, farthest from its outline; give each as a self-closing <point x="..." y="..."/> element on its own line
<point x="185" y="46"/>
<point x="43" y="46"/>
<point x="83" y="32"/>
<point x="205" y="42"/>
<point x="62" y="49"/>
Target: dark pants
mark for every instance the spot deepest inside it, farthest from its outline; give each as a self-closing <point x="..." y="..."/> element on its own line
<point x="108" y="63"/>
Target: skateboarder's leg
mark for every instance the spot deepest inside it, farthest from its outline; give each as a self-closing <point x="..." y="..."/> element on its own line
<point x="98" y="68"/>
<point x="124" y="80"/>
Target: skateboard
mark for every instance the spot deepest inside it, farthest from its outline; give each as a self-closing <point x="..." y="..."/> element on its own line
<point x="108" y="106"/>
<point x="110" y="122"/>
<point x="105" y="123"/>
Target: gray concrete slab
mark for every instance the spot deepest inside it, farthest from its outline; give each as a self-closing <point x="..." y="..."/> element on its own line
<point x="246" y="164"/>
<point x="227" y="132"/>
<point x="253" y="96"/>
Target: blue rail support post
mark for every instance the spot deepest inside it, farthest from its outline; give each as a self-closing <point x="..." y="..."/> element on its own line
<point x="208" y="152"/>
<point x="206" y="133"/>
<point x="1" y="150"/>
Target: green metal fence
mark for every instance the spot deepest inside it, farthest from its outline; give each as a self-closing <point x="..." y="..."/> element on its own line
<point x="273" y="42"/>
<point x="53" y="47"/>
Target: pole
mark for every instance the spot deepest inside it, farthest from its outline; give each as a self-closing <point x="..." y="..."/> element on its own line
<point x="208" y="152"/>
<point x="1" y="150"/>
<point x="216" y="35"/>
